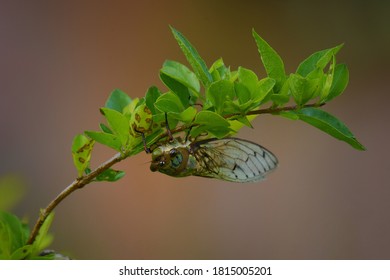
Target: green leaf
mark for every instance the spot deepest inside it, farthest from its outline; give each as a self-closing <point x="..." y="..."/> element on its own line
<point x="180" y="74"/>
<point x="81" y="151"/>
<point x="211" y="123"/>
<point x="107" y="139"/>
<point x="219" y="92"/>
<point x="130" y="108"/>
<point x="263" y="89"/>
<point x="13" y="234"/>
<point x="279" y="99"/>
<point x="22" y="253"/>
<point x="339" y="82"/>
<point x="105" y="128"/>
<point x="317" y="83"/>
<point x="244" y="120"/>
<point x="43" y="239"/>
<point x="169" y="102"/>
<point x="327" y="56"/>
<point x="248" y="78"/>
<point x="177" y="88"/>
<point x="317" y="60"/>
<point x="233" y="107"/>
<point x="289" y="115"/>
<point x="302" y="88"/>
<point x="329" y="124"/>
<point x="193" y="58"/>
<point x="117" y="100"/>
<point x="152" y="95"/>
<point x="119" y="124"/>
<point x="243" y="93"/>
<point x="210" y="119"/>
<point x="172" y="120"/>
<point x="217" y="131"/>
<point x="219" y="71"/>
<point x="272" y="61"/>
<point x="141" y="120"/>
<point x="187" y="116"/>
<point x="283" y="96"/>
<point x="110" y="175"/>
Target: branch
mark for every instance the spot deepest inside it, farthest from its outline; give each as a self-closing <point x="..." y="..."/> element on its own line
<point x="84" y="180"/>
<point x="75" y="185"/>
<point x="276" y="110"/>
<point x="269" y="110"/>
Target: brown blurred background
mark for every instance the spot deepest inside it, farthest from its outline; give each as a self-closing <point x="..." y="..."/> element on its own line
<point x="59" y="60"/>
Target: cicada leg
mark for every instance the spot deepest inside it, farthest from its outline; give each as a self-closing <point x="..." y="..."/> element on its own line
<point x="168" y="129"/>
<point x="146" y="148"/>
<point x="188" y="133"/>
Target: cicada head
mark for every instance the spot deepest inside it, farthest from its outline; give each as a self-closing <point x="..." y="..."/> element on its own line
<point x="159" y="160"/>
<point x="172" y="160"/>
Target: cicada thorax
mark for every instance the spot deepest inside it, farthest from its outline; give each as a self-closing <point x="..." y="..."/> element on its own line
<point x="174" y="159"/>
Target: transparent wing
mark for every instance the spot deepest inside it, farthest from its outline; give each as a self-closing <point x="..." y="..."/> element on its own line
<point x="232" y="159"/>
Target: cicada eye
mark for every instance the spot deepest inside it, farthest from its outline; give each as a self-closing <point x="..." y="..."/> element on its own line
<point x="158" y="163"/>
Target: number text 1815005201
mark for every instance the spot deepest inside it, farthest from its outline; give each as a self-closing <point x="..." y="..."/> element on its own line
<point x="238" y="270"/>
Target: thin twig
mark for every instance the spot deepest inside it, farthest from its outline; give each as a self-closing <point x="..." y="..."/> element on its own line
<point x="276" y="110"/>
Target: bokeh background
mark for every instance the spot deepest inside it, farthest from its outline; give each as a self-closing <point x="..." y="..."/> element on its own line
<point x="59" y="60"/>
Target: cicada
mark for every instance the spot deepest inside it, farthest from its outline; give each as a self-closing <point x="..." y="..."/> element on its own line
<point x="229" y="159"/>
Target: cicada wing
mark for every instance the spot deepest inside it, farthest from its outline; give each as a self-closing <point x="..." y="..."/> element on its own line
<point x="232" y="159"/>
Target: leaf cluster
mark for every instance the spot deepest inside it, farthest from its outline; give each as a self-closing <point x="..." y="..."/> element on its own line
<point x="217" y="101"/>
<point x="14" y="235"/>
<point x="14" y="232"/>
